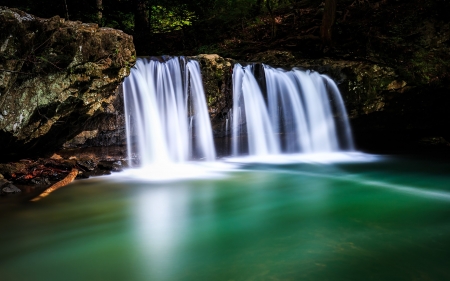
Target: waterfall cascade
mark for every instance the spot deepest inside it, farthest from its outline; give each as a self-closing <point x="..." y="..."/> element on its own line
<point x="291" y="114"/>
<point x="288" y="112"/>
<point x="166" y="112"/>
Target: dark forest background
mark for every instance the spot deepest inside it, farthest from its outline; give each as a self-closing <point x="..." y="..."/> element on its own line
<point x="195" y="26"/>
<point x="383" y="31"/>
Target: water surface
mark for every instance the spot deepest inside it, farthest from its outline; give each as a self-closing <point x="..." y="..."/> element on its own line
<point x="380" y="220"/>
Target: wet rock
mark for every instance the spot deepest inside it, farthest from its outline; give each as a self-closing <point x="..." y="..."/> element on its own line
<point x="37" y="172"/>
<point x="10" y="170"/>
<point x="217" y="74"/>
<point x="3" y="182"/>
<point x="98" y="153"/>
<point x="105" y="130"/>
<point x="434" y="142"/>
<point x="114" y="166"/>
<point x="118" y="166"/>
<point x="56" y="156"/>
<point x="87" y="164"/>
<point x="10" y="188"/>
<point x="40" y="181"/>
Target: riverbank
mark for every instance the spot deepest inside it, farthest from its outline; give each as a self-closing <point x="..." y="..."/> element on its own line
<point x="32" y="176"/>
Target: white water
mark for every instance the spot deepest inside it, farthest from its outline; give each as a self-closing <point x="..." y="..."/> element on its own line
<point x="261" y="138"/>
<point x="295" y="112"/>
<point x="295" y="115"/>
<point x="161" y="100"/>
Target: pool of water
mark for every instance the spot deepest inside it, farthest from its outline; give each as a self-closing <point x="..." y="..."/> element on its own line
<point x="379" y="219"/>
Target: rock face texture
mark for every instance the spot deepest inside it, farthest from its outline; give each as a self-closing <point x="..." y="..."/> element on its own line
<point x="57" y="79"/>
<point x="217" y="80"/>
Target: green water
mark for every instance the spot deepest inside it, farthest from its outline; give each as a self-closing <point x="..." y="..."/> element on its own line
<point x="385" y="220"/>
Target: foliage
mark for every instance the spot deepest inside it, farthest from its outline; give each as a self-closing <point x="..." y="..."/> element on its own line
<point x="163" y="15"/>
<point x="166" y="19"/>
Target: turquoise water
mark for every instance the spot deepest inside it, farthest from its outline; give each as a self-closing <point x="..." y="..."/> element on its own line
<point x="387" y="219"/>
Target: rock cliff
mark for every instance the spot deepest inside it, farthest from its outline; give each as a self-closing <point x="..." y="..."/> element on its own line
<point x="57" y="79"/>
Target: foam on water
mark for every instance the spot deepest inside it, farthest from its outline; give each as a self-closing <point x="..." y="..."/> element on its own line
<point x="171" y="172"/>
<point x="322" y="158"/>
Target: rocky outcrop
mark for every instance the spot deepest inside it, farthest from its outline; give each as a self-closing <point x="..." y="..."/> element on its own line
<point x="57" y="79"/>
<point x="105" y="130"/>
<point x="41" y="173"/>
<point x="7" y="187"/>
<point x="217" y="79"/>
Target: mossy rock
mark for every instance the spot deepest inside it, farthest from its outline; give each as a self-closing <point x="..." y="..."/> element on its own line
<point x="60" y="75"/>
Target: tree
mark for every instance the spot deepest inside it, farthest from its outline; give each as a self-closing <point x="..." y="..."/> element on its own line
<point x="269" y="6"/>
<point x="67" y="10"/>
<point x="140" y="17"/>
<point x="329" y="16"/>
<point x="99" y="11"/>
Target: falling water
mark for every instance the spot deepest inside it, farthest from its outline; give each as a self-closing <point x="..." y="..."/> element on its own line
<point x="293" y="115"/>
<point x="286" y="112"/>
<point x="261" y="138"/>
<point x="161" y="101"/>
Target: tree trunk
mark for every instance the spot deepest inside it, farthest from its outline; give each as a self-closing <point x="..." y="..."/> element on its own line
<point x="329" y="16"/>
<point x="67" y="10"/>
<point x="141" y="26"/>
<point x="269" y="7"/>
<point x="140" y="17"/>
<point x="257" y="7"/>
<point x="99" y="11"/>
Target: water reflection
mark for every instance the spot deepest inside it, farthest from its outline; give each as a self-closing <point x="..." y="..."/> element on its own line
<point x="294" y="221"/>
<point x="160" y="225"/>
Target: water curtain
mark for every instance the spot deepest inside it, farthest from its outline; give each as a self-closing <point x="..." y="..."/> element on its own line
<point x="167" y="118"/>
<point x="277" y="112"/>
<point x="295" y="111"/>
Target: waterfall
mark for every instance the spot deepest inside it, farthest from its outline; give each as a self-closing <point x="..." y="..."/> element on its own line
<point x="277" y="112"/>
<point x="294" y="113"/>
<point x="166" y="113"/>
<point x="248" y="105"/>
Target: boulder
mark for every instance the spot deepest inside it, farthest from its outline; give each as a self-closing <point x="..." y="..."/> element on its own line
<point x="57" y="79"/>
<point x="8" y="187"/>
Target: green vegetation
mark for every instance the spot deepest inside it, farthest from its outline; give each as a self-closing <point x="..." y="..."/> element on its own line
<point x="166" y="19"/>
